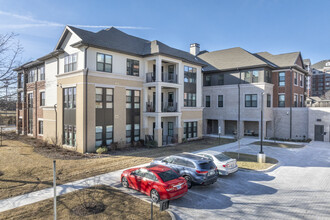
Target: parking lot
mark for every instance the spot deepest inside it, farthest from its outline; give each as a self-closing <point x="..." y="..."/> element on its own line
<point x="298" y="188"/>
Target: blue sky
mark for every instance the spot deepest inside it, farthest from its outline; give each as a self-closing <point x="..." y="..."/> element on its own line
<point x="276" y="26"/>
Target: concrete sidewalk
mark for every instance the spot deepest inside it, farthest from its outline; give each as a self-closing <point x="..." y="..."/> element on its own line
<point x="109" y="179"/>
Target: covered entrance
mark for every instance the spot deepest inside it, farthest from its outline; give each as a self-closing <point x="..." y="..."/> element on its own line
<point x="212" y="126"/>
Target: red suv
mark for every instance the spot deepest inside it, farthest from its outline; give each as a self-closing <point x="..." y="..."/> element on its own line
<point x="157" y="181"/>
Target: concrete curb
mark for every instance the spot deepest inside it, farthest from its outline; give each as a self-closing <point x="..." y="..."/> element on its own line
<point x="264" y="170"/>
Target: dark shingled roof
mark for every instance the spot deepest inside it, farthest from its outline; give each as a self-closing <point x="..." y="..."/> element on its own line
<point x="114" y="39"/>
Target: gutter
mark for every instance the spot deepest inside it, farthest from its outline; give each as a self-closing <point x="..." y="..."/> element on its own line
<point x="86" y="98"/>
<point x="291" y="81"/>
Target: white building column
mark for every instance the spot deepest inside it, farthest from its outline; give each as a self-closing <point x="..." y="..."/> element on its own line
<point x="180" y="90"/>
<point x="158" y="130"/>
<point x="158" y="69"/>
<point x="199" y="81"/>
<point x="158" y="98"/>
<point x="145" y="98"/>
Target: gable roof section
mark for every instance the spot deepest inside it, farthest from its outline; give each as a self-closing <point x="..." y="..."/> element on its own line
<point x="114" y="39"/>
<point x="281" y="60"/>
<point x="320" y="65"/>
<point x="232" y="58"/>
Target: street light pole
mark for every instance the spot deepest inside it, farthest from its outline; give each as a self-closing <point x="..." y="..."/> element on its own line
<point x="261" y="155"/>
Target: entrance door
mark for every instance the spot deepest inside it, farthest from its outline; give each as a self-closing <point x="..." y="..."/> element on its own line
<point x="319" y="133"/>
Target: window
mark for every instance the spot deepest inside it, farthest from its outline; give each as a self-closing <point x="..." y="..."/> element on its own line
<point x="109" y="98"/>
<point x="41" y="73"/>
<point x="221" y="79"/>
<point x="98" y="97"/>
<point x="136" y="99"/>
<point x="190" y="130"/>
<point x="70" y="63"/>
<point x="133" y="67"/>
<point x="247" y="76"/>
<point x="190" y="99"/>
<point x="109" y="134"/>
<point x="220" y="100"/>
<point x="104" y="62"/>
<point x="251" y="100"/>
<point x="301" y="80"/>
<point x="170" y="129"/>
<point x="128" y="98"/>
<point x="69" y="135"/>
<point x="41" y="127"/>
<point x="281" y="100"/>
<point x="301" y="101"/>
<point x="281" y="79"/>
<point x="268" y="77"/>
<point x="22" y="96"/>
<point x="69" y="97"/>
<point x="133" y="115"/>
<point x="207" y="80"/>
<point x="207" y="101"/>
<point x="255" y="76"/>
<point x="42" y="98"/>
<point x="296" y="78"/>
<point x="98" y="136"/>
<point x="128" y="133"/>
<point x="269" y="100"/>
<point x="295" y="100"/>
<point x="31" y="76"/>
<point x="20" y="80"/>
<point x="30" y="113"/>
<point x="190" y="74"/>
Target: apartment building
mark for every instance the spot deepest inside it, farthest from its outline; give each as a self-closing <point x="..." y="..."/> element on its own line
<point x="239" y="84"/>
<point x="321" y="78"/>
<point x="98" y="88"/>
<point x="308" y="67"/>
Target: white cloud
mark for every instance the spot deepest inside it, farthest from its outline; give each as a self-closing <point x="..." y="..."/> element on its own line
<point x="42" y="23"/>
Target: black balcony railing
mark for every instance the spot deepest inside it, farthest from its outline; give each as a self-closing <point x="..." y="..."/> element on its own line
<point x="166" y="77"/>
<point x="166" y="107"/>
<point x="150" y="107"/>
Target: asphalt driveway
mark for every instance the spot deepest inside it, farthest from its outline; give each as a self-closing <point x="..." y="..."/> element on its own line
<point x="297" y="189"/>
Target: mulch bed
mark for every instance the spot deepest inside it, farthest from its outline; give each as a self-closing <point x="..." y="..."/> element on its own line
<point x="89" y="208"/>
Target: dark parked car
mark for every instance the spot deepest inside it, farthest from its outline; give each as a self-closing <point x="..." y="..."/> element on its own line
<point x="194" y="168"/>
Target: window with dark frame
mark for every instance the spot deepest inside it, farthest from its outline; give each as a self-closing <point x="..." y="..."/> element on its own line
<point x="255" y="76"/>
<point x="295" y="100"/>
<point x="170" y="130"/>
<point x="269" y="100"/>
<point x="301" y="80"/>
<point x="207" y="101"/>
<point x="190" y="130"/>
<point x="70" y="63"/>
<point x="221" y="80"/>
<point x="220" y="101"/>
<point x="41" y="73"/>
<point x="30" y="113"/>
<point x="69" y="135"/>
<point x="133" y="98"/>
<point x="251" y="100"/>
<point x="295" y="78"/>
<point x="208" y="80"/>
<point x="69" y="97"/>
<point x="281" y="78"/>
<point x="32" y="75"/>
<point x="104" y="62"/>
<point x="190" y="74"/>
<point x="41" y="127"/>
<point x="281" y="100"/>
<point x="268" y="77"/>
<point x="42" y="98"/>
<point x="133" y="67"/>
<point x="190" y="99"/>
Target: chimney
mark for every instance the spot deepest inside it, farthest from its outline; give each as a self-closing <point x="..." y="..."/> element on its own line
<point x="194" y="49"/>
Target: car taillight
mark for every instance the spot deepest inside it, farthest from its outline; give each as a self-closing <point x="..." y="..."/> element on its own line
<point x="224" y="165"/>
<point x="202" y="172"/>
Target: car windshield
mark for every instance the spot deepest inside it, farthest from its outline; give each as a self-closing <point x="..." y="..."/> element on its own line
<point x="222" y="157"/>
<point x="168" y="175"/>
<point x="207" y="165"/>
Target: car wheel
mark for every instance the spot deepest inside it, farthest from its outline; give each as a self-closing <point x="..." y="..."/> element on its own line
<point x="189" y="182"/>
<point x="154" y="195"/>
<point x="124" y="182"/>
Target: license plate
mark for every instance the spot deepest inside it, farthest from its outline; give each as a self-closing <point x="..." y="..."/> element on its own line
<point x="212" y="172"/>
<point x="178" y="187"/>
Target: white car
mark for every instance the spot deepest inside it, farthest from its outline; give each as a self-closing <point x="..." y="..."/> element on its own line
<point x="225" y="164"/>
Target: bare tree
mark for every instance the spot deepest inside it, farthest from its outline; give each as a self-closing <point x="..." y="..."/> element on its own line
<point x="10" y="51"/>
<point x="326" y="95"/>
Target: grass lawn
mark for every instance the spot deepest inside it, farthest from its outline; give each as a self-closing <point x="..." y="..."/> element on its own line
<point x="249" y="161"/>
<point x="23" y="170"/>
<point x="116" y="205"/>
<point x="273" y="144"/>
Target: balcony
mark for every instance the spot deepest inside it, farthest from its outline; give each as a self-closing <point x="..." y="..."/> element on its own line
<point x="166" y="107"/>
<point x="166" y="77"/>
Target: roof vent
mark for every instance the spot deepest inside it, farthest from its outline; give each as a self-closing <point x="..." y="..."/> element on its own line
<point x="194" y="49"/>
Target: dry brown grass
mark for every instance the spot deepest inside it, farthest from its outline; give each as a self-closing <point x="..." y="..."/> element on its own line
<point x="250" y="162"/>
<point x="25" y="171"/>
<point x="118" y="205"/>
<point x="274" y="144"/>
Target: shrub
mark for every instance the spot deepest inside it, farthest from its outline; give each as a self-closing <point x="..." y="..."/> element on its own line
<point x="184" y="140"/>
<point x="114" y="146"/>
<point x="151" y="144"/>
<point x="102" y="150"/>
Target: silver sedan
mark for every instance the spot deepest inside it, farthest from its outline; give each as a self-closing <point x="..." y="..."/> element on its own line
<point x="225" y="164"/>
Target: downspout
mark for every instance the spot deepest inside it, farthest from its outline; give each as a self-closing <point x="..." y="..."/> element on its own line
<point x="55" y="108"/>
<point x="36" y="103"/>
<point x="291" y="78"/>
<point x="238" y="133"/>
<point x="86" y="99"/>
